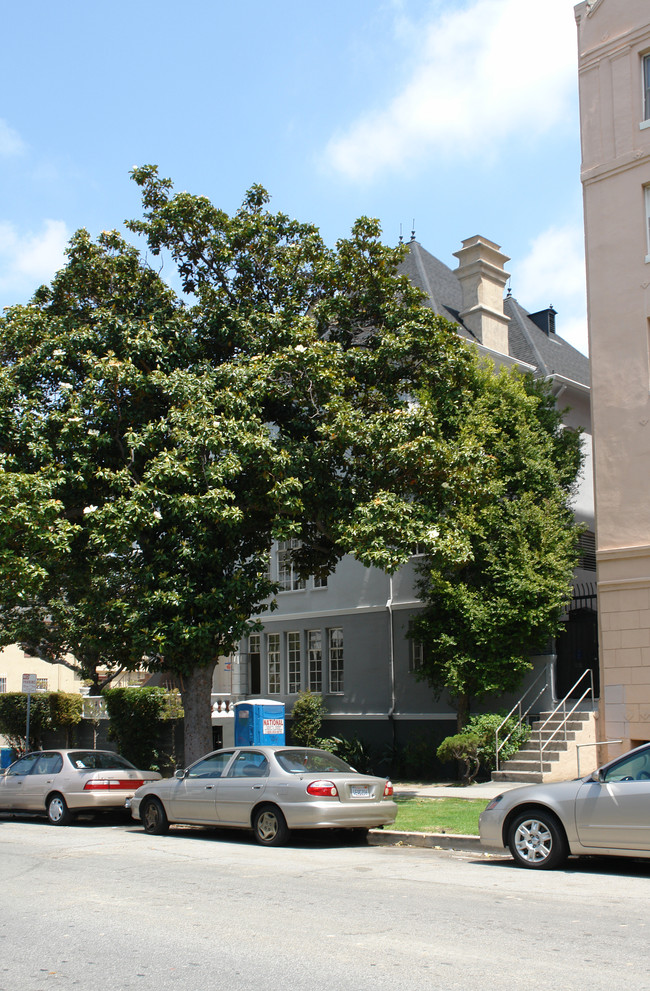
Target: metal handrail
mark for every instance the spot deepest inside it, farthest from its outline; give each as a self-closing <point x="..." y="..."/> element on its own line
<point x="522" y="715"/>
<point x="597" y="743"/>
<point x="562" y="705"/>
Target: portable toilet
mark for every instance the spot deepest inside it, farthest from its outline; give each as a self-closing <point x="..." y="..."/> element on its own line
<point x="260" y="722"/>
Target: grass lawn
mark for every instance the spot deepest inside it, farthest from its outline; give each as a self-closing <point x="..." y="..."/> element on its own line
<point x="439" y="815"/>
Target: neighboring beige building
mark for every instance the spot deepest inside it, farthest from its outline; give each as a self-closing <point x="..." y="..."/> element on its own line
<point x="14" y="663"/>
<point x="614" y="73"/>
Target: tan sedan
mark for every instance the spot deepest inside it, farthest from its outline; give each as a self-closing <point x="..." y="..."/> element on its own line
<point x="270" y="790"/>
<point x="61" y="783"/>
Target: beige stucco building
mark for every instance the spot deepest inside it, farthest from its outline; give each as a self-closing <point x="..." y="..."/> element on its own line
<point x="614" y="74"/>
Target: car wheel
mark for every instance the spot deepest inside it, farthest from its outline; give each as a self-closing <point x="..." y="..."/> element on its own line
<point x="270" y="827"/>
<point x="537" y="840"/>
<point x="154" y="818"/>
<point x="58" y="812"/>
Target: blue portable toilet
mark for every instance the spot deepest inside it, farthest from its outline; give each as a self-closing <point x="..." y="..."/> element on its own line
<point x="6" y="757"/>
<point x="259" y="722"/>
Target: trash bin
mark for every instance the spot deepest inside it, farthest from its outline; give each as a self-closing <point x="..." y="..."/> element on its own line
<point x="258" y="722"/>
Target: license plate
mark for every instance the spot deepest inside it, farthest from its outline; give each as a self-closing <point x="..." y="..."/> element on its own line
<point x="360" y="791"/>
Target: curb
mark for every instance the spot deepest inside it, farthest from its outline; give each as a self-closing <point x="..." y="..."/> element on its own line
<point x="437" y="841"/>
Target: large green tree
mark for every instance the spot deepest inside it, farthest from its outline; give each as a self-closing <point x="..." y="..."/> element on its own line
<point x="486" y="612"/>
<point x="152" y="448"/>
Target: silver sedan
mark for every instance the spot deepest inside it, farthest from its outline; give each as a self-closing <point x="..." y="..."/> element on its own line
<point x="270" y="790"/>
<point x="61" y="783"/>
<point x="606" y="813"/>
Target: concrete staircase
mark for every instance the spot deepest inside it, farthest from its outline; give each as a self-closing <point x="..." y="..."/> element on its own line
<point x="559" y="759"/>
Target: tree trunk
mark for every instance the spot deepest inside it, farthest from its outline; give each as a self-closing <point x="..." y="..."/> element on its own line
<point x="462" y="711"/>
<point x="196" y="690"/>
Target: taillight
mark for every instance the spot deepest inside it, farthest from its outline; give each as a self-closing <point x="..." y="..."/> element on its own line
<point x="388" y="789"/>
<point x="324" y="789"/>
<point x="107" y="784"/>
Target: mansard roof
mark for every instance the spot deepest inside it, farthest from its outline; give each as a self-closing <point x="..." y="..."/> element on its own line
<point x="547" y="353"/>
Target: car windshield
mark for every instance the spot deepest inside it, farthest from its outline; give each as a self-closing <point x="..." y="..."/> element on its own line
<point x="316" y="761"/>
<point x="95" y="760"/>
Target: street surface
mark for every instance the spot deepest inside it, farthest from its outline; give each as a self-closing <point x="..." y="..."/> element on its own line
<point x="106" y="908"/>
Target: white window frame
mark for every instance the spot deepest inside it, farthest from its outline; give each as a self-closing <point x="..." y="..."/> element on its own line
<point x="294" y="662"/>
<point x="416" y="657"/>
<point x="273" y="664"/>
<point x="3" y="684"/>
<point x="645" y="88"/>
<point x="315" y="660"/>
<point x="336" y="660"/>
<point x="288" y="579"/>
<point x="646" y="194"/>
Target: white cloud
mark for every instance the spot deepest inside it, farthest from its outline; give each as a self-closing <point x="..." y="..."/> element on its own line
<point x="553" y="273"/>
<point x="11" y="142"/>
<point x="27" y="259"/>
<point x="480" y="74"/>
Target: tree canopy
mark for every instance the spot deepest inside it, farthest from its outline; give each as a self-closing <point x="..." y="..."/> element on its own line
<point x="151" y="448"/>
<point x="485" y="614"/>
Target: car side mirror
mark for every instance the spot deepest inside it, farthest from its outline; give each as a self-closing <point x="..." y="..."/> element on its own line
<point x="180" y="773"/>
<point x="596" y="776"/>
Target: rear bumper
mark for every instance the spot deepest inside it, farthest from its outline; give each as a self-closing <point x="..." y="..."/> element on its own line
<point x="336" y="815"/>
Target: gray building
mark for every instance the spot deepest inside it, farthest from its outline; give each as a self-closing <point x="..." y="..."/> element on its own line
<point x="345" y="637"/>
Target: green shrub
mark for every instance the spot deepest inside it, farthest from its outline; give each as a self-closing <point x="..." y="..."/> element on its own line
<point x="13" y="719"/>
<point x="48" y="711"/>
<point x="354" y="752"/>
<point x="306" y="721"/>
<point x="463" y="747"/>
<point x="486" y="726"/>
<point x="135" y="717"/>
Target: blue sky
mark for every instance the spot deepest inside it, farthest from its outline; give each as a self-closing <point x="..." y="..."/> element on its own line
<point x="458" y="115"/>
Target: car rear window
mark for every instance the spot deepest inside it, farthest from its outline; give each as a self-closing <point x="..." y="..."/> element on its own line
<point x="95" y="760"/>
<point x="316" y="761"/>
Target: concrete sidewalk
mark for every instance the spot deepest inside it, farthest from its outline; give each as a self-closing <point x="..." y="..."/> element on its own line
<point x="483" y="791"/>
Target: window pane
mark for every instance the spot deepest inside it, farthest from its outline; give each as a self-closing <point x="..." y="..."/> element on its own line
<point x="646" y="87"/>
<point x="336" y="660"/>
<point x="273" y="663"/>
<point x="315" y="657"/>
<point x="294" y="662"/>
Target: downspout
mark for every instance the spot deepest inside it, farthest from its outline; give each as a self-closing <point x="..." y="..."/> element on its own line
<point x="391" y="660"/>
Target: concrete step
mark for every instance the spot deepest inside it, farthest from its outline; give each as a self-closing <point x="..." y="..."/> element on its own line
<point x="531" y="764"/>
<point x="572" y="725"/>
<point x="525" y="777"/>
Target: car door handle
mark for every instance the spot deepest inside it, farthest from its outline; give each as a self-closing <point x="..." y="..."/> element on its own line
<point x="208" y="787"/>
<point x="256" y="787"/>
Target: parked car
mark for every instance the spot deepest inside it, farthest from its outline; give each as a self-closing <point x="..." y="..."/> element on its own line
<point x="62" y="783"/>
<point x="606" y="813"/>
<point x="270" y="790"/>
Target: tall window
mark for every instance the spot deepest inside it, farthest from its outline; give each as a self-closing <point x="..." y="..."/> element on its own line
<point x="288" y="579"/>
<point x="417" y="656"/>
<point x="273" y="663"/>
<point x="315" y="658"/>
<point x="336" y="660"/>
<point x="294" y="664"/>
<point x="646" y="190"/>
<point x="3" y="683"/>
<point x="255" y="663"/>
<point x="646" y="87"/>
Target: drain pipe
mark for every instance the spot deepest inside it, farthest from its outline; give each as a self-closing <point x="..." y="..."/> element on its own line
<point x="391" y="659"/>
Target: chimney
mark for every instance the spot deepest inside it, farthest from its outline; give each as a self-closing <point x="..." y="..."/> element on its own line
<point x="483" y="278"/>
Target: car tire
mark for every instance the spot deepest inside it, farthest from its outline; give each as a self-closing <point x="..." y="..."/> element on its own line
<point x="58" y="813"/>
<point x="154" y="818"/>
<point x="537" y="840"/>
<point x="270" y="826"/>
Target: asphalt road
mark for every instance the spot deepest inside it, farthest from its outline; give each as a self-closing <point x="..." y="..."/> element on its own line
<point x="104" y="907"/>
